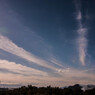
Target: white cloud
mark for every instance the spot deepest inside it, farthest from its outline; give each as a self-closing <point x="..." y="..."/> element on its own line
<point x="82" y="44"/>
<point x="9" y="18"/>
<point x="68" y="76"/>
<point x="82" y="32"/>
<point x="20" y="69"/>
<point x="8" y="46"/>
<point x="56" y="62"/>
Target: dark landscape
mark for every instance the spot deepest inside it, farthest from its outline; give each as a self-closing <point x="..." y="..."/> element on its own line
<point x="33" y="90"/>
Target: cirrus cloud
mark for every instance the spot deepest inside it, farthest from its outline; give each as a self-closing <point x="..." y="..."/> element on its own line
<point x="82" y="40"/>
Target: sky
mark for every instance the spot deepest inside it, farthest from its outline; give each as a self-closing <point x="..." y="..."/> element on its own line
<point x="47" y="42"/>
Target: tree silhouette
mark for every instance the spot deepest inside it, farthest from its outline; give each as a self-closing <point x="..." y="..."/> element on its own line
<point x="32" y="90"/>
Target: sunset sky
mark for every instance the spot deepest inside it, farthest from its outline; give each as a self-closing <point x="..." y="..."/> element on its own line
<point x="47" y="42"/>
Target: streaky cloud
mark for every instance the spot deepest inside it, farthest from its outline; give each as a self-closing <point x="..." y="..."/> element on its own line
<point x="82" y="40"/>
<point x="79" y="16"/>
<point x="8" y="46"/>
<point x="68" y="76"/>
<point x="20" y="69"/>
<point x="82" y="45"/>
<point x="9" y="19"/>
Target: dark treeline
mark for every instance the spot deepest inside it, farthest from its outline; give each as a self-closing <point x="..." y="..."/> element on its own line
<point x="32" y="90"/>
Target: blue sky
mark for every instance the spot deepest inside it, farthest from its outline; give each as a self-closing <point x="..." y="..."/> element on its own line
<point x="47" y="42"/>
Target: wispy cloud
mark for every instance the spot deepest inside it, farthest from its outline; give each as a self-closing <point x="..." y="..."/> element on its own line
<point x="13" y="26"/>
<point x="26" y="75"/>
<point x="20" y="69"/>
<point x="82" y="45"/>
<point x="68" y="76"/>
<point x="73" y="76"/>
<point x="17" y="73"/>
<point x="82" y="33"/>
<point x="8" y="46"/>
<point x="79" y="15"/>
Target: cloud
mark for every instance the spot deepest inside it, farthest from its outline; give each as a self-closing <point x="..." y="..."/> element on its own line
<point x="79" y="16"/>
<point x="56" y="62"/>
<point x="82" y="33"/>
<point x="8" y="46"/>
<point x="73" y="76"/>
<point x="25" y="75"/>
<point x="11" y="24"/>
<point x="82" y="44"/>
<point x="20" y="69"/>
<point x="17" y="73"/>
